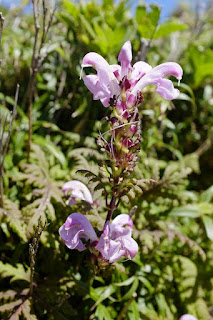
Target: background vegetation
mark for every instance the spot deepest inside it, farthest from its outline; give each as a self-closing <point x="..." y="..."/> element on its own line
<point x="173" y="271"/>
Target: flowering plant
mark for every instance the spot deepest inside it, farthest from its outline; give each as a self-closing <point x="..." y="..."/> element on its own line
<point x="118" y="87"/>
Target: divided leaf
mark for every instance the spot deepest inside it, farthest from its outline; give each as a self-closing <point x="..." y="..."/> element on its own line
<point x="17" y="273"/>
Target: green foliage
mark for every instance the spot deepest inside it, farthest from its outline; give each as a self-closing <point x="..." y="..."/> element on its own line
<point x="17" y="273"/>
<point x="171" y="186"/>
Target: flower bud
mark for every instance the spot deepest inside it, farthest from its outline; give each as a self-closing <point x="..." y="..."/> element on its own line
<point x="131" y="101"/>
<point x="133" y="129"/>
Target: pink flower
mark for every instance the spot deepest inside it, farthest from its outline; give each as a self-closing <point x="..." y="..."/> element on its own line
<point x="187" y="317"/>
<point x="125" y="82"/>
<point x="78" y="190"/>
<point x="116" y="240"/>
<point x="76" y="228"/>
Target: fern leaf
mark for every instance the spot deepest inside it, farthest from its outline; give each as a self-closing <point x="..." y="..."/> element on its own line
<point x="42" y="207"/>
<point x="87" y="152"/>
<point x="131" y="194"/>
<point x="125" y="199"/>
<point x="99" y="186"/>
<point x="9" y="294"/>
<point x="147" y="183"/>
<point x="26" y="308"/>
<point x="10" y="306"/>
<point x="14" y="217"/>
<point x="17" y="273"/>
<point x="87" y="173"/>
<point x="19" y="307"/>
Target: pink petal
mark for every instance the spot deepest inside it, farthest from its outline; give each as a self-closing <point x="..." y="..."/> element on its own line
<point x="122" y="220"/>
<point x="116" y="69"/>
<point x="125" y="58"/>
<point x="95" y="60"/>
<point x="130" y="245"/>
<point x="105" y="102"/>
<point x="187" y="317"/>
<point x="103" y="85"/>
<point x="166" y="89"/>
<point x="140" y="68"/>
<point x="72" y="241"/>
<point x="117" y="255"/>
<point x="84" y="225"/>
<point x="167" y="68"/>
<point x="93" y="84"/>
<point x="78" y="194"/>
<point x="156" y="75"/>
<point x="77" y="186"/>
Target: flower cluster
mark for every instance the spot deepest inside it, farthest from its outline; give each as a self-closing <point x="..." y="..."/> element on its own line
<point x="125" y="82"/>
<point x="78" y="233"/>
<point x="118" y="87"/>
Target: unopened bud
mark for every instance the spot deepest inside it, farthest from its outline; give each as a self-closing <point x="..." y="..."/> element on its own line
<point x="131" y="101"/>
<point x="133" y="129"/>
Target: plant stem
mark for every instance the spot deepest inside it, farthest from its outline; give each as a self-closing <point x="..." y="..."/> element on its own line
<point x="4" y="149"/>
<point x="33" y="248"/>
<point x="37" y="59"/>
<point x="123" y="312"/>
<point x="1" y="28"/>
<point x="112" y="207"/>
<point x="33" y="71"/>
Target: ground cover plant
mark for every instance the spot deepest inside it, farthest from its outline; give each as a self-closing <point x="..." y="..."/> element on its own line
<point x="106" y="196"/>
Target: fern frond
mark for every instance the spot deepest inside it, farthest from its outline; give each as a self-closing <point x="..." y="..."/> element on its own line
<point x="39" y="208"/>
<point x="84" y="159"/>
<point x="10" y="306"/>
<point x="7" y="295"/>
<point x="26" y="310"/>
<point x="17" y="273"/>
<point x="185" y="239"/>
<point x="87" y="153"/>
<point x="19" y="307"/>
<point x="155" y="237"/>
<point x="13" y="216"/>
<point x="96" y="219"/>
<point x="38" y="175"/>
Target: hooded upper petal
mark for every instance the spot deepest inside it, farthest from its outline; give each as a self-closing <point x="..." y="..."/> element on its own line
<point x="122" y="220"/>
<point x="95" y="60"/>
<point x="103" y="85"/>
<point x="78" y="190"/>
<point x="125" y="58"/>
<point x="156" y="76"/>
<point x="75" y="228"/>
<point x="168" y="68"/>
